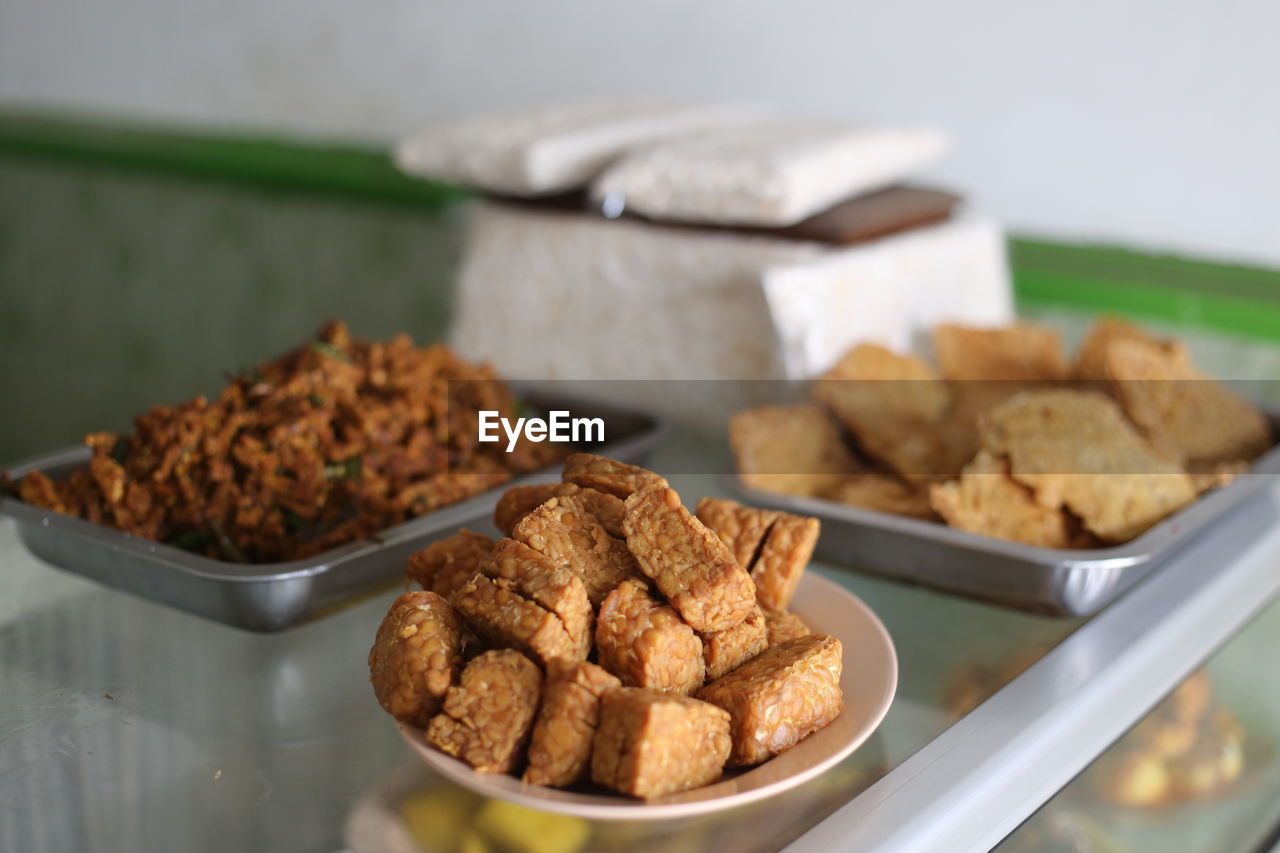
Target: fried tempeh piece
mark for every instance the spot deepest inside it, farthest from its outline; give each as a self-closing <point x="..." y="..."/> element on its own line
<point x="883" y="493"/>
<point x="742" y="528"/>
<point x="572" y="538"/>
<point x="1075" y="448"/>
<point x="554" y="589"/>
<point x="519" y="501"/>
<point x="689" y="564"/>
<point x="780" y="698"/>
<point x="651" y="743"/>
<point x="1020" y="352"/>
<point x="417" y="652"/>
<point x="645" y="643"/>
<point x="607" y="475"/>
<point x="783" y="557"/>
<point x="987" y="500"/>
<point x="488" y="713"/>
<point x="784" y="626"/>
<point x="790" y="450"/>
<point x="444" y="566"/>
<point x="725" y="651"/>
<point x="501" y="616"/>
<point x="560" y="746"/>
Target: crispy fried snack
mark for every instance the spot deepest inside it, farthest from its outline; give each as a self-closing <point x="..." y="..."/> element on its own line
<point x="884" y="493"/>
<point x="519" y="501"/>
<point x="645" y="643"/>
<point x="560" y="747"/>
<point x="783" y="557"/>
<point x="784" y="626"/>
<point x="1021" y="352"/>
<point x="987" y="500"/>
<point x="332" y="442"/>
<point x="501" y="616"/>
<point x="689" y="564"/>
<point x="742" y="528"/>
<point x="571" y="537"/>
<point x="790" y="450"/>
<point x="725" y="651"/>
<point x="417" y="652"/>
<point x="651" y="743"/>
<point x="445" y="565"/>
<point x="780" y="698"/>
<point x="556" y="590"/>
<point x="487" y="715"/>
<point x="1075" y="449"/>
<point x="607" y="475"/>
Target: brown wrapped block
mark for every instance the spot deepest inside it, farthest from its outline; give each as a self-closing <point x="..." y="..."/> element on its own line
<point x="651" y="743"/>
<point x="607" y="475"/>
<point x="790" y="450"/>
<point x="417" y="652"/>
<point x="783" y="557"/>
<point x="519" y="501"/>
<point x="689" y="564"/>
<point x="1021" y="352"/>
<point x="725" y="651"/>
<point x="780" y="698"/>
<point x="645" y="643"/>
<point x="742" y="528"/>
<point x="554" y="589"/>
<point x="560" y="746"/>
<point x="784" y="626"/>
<point x="572" y="538"/>
<point x="501" y="616"/>
<point x="487" y="715"/>
<point x="444" y="566"/>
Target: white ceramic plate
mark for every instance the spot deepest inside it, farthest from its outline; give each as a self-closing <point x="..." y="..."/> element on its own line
<point x="869" y="680"/>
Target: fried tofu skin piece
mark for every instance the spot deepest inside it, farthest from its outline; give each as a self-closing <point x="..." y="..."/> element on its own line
<point x="488" y="713"/>
<point x="646" y="643"/>
<point x="686" y="561"/>
<point x="560" y="746"/>
<point x="884" y="493"/>
<point x="417" y="652"/>
<point x="785" y="553"/>
<point x="519" y="501"/>
<point x="607" y="475"/>
<point x="784" y="626"/>
<point x="444" y="566"/>
<point x="780" y="698"/>
<point x="572" y="538"/>
<point x="725" y="651"/>
<point x="651" y="743"/>
<point x="789" y="450"/>
<point x="987" y="500"/>
<point x="1021" y="352"/>
<point x="1075" y="449"/>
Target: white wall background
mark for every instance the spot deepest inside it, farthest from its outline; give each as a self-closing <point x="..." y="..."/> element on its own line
<point x="1154" y="123"/>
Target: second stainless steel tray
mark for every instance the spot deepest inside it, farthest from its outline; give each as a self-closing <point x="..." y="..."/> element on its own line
<point x="273" y="596"/>
<point x="1056" y="581"/>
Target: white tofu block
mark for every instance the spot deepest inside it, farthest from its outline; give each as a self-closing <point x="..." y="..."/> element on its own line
<point x="547" y="295"/>
<point x="768" y="173"/>
<point x="551" y="149"/>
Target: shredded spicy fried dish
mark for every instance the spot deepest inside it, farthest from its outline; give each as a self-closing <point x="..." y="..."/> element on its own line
<point x="335" y="441"/>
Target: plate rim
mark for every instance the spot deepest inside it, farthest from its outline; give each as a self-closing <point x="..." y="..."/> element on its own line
<point x="625" y="808"/>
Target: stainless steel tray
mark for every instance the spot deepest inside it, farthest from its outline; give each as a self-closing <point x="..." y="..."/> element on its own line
<point x="274" y="596"/>
<point x="1055" y="581"/>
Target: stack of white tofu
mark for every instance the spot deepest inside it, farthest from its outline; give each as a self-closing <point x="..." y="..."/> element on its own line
<point x="649" y="241"/>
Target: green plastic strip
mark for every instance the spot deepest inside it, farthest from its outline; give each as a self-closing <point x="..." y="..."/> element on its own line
<point x="1227" y="297"/>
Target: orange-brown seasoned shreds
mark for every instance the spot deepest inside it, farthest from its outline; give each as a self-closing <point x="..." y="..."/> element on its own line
<point x="488" y="714"/>
<point x="573" y="538"/>
<point x="415" y="656"/>
<point x="724" y="651"/>
<point x="337" y="440"/>
<point x="686" y="561"/>
<point x="445" y="565"/>
<point x="645" y="643"/>
<point x="784" y="626"/>
<point x="783" y="557"/>
<point x="607" y="475"/>
<point x="560" y="746"/>
<point x="651" y="743"/>
<point x="781" y="697"/>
